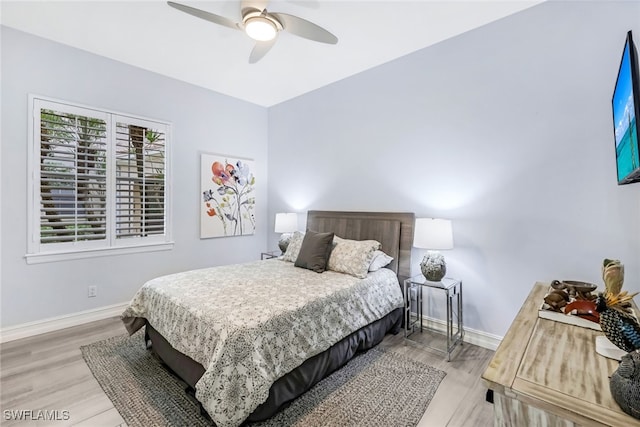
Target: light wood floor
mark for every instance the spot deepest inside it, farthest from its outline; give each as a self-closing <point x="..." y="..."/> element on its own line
<point x="48" y="373"/>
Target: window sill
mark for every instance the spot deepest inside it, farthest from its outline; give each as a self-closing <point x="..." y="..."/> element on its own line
<point x="94" y="253"/>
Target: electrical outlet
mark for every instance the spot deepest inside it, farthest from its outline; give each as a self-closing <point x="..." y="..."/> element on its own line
<point x="92" y="291"/>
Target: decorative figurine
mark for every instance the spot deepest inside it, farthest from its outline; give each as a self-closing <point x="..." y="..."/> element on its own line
<point x="617" y="318"/>
<point x="625" y="386"/>
<point x="620" y="325"/>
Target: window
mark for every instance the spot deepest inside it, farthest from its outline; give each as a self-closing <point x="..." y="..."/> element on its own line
<point x="99" y="182"/>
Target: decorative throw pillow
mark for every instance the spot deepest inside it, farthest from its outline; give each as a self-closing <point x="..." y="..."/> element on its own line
<point x="352" y="256"/>
<point x="380" y="260"/>
<point x="314" y="251"/>
<point x="291" y="254"/>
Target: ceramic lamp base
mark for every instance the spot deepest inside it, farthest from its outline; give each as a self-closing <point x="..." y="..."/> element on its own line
<point x="433" y="266"/>
<point x="283" y="243"/>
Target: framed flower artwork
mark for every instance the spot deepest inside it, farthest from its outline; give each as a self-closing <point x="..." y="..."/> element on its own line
<point x="227" y="204"/>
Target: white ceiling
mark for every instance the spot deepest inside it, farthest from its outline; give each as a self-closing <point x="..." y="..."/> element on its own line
<point x="153" y="36"/>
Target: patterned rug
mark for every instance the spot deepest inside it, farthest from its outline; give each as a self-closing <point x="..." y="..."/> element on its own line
<point x="377" y="388"/>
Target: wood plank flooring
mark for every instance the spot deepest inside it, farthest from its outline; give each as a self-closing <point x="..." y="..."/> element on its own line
<point x="48" y="372"/>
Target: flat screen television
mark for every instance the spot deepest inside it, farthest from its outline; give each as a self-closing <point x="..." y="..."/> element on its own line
<point x="626" y="109"/>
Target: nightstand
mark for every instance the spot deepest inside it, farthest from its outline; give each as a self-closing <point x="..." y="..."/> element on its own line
<point x="269" y="255"/>
<point x="413" y="293"/>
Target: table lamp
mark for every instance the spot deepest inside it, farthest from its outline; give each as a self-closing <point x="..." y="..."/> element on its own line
<point x="433" y="234"/>
<point x="286" y="223"/>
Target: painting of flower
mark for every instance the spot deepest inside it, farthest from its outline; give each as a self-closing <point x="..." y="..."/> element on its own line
<point x="227" y="196"/>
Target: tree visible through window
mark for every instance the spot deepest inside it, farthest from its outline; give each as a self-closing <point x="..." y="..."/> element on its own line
<point x="100" y="179"/>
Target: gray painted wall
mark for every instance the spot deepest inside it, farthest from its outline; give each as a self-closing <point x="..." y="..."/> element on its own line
<point x="202" y="121"/>
<point x="506" y="130"/>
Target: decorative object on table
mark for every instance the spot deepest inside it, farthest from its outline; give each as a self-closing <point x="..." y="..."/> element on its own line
<point x="580" y="299"/>
<point x="625" y="384"/>
<point x="620" y="325"/>
<point x="575" y="289"/>
<point x="227" y="185"/>
<point x="572" y="302"/>
<point x="613" y="275"/>
<point x="286" y="223"/>
<point x="617" y="318"/>
<point x="434" y="235"/>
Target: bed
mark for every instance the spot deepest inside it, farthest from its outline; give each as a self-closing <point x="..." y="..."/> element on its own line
<point x="262" y="351"/>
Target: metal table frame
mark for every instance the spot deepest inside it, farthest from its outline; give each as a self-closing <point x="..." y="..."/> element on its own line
<point x="452" y="289"/>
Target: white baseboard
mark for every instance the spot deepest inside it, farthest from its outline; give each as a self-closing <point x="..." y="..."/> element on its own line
<point x="60" y="322"/>
<point x="472" y="336"/>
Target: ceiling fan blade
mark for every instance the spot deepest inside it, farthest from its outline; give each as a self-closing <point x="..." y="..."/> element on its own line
<point x="207" y="16"/>
<point x="251" y="5"/>
<point x="260" y="50"/>
<point x="303" y="28"/>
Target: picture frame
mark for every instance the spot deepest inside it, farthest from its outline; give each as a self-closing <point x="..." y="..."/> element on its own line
<point x="227" y="196"/>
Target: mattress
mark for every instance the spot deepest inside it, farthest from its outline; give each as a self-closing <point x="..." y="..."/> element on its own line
<point x="250" y="324"/>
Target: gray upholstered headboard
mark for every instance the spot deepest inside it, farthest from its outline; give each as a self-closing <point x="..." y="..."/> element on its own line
<point x="394" y="230"/>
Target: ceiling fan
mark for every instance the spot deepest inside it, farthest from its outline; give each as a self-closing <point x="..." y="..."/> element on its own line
<point x="263" y="26"/>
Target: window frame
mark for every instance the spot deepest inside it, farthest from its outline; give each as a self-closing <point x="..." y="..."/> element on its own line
<point x="38" y="252"/>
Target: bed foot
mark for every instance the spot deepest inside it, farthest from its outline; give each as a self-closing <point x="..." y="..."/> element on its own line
<point x="147" y="340"/>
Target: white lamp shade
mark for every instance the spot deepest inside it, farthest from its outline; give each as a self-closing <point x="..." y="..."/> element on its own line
<point x="433" y="234"/>
<point x="286" y="222"/>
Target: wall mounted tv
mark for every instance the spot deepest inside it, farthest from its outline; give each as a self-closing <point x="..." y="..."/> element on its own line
<point x="626" y="109"/>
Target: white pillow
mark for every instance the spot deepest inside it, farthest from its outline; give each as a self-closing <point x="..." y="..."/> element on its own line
<point x="293" y="250"/>
<point x="352" y="256"/>
<point x="380" y="260"/>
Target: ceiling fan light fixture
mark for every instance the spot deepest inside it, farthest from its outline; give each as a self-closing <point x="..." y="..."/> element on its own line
<point x="260" y="28"/>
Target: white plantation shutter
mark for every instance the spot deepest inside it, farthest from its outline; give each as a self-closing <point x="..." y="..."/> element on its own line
<point x="99" y="180"/>
<point x="140" y="179"/>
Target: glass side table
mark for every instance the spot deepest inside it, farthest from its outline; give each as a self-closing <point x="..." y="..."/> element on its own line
<point x="269" y="255"/>
<point x="413" y="290"/>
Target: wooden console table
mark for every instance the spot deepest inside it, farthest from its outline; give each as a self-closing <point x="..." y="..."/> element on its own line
<point x="548" y="373"/>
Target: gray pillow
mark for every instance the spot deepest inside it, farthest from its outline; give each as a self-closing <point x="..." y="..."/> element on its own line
<point x="314" y="251"/>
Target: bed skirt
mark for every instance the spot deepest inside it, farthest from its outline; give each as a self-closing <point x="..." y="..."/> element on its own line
<point x="300" y="379"/>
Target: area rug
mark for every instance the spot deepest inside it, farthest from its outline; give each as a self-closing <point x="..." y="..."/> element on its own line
<point x="377" y="388"/>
